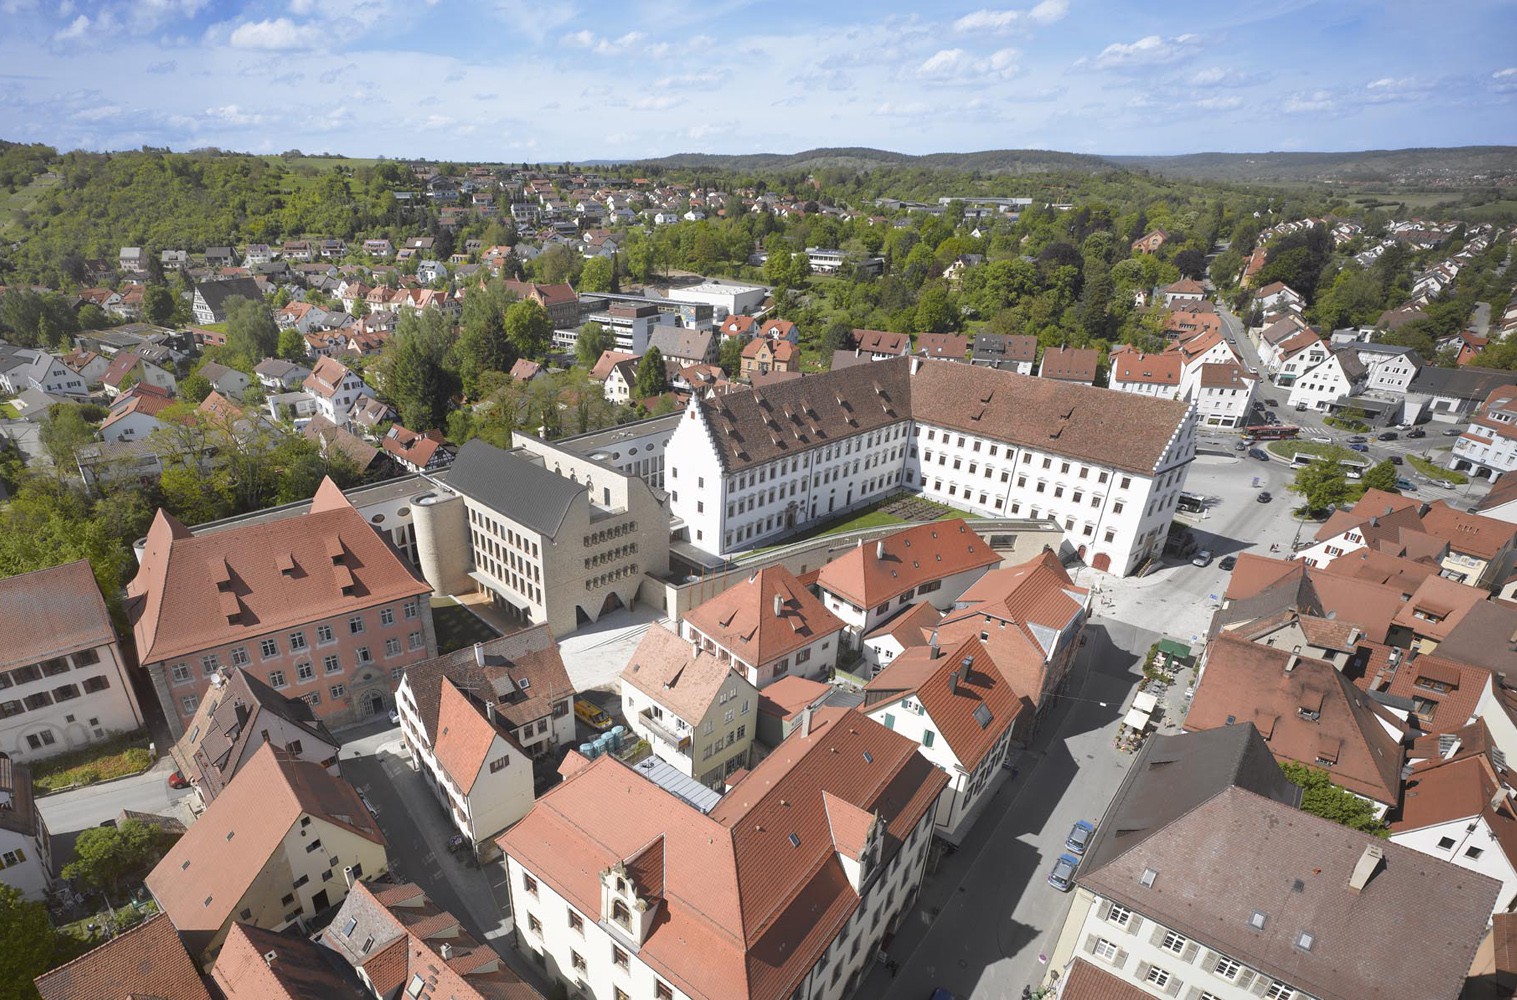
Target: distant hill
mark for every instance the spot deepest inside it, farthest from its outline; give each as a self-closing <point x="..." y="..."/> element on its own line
<point x="993" y="161"/>
<point x="1457" y="166"/>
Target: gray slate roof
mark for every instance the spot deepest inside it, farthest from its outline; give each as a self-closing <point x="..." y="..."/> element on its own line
<point x="680" y="341"/>
<point x="216" y="293"/>
<point x="515" y="485"/>
<point x="1468" y="382"/>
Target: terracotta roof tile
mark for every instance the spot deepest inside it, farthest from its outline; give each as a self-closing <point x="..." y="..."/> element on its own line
<point x="1075" y="364"/>
<point x="529" y="655"/>
<point x="765" y="617"/>
<point x="298" y="970"/>
<point x="882" y="342"/>
<point x="463" y="738"/>
<point x="1146" y="369"/>
<point x="674" y="673"/>
<point x="1090" y="982"/>
<point x="51" y="612"/>
<point x="1480" y="536"/>
<point x="963" y="690"/>
<point x="149" y="961"/>
<point x="873" y="573"/>
<point x="1437" y="606"/>
<point x="790" y="695"/>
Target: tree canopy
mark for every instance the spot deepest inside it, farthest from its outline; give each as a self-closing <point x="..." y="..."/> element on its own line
<point x="416" y="376"/>
<point x="1320" y="797"/>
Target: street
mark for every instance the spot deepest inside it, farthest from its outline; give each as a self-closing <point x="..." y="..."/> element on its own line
<point x="70" y="812"/>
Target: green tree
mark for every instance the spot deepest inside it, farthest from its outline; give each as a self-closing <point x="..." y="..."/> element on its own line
<point x="483" y="344"/>
<point x="106" y="858"/>
<point x="194" y="388"/>
<point x="291" y="345"/>
<point x="936" y="312"/>
<point x="652" y="379"/>
<point x="594" y="340"/>
<point x="1381" y="476"/>
<point x="528" y="328"/>
<point x="598" y="275"/>
<point x="1320" y="797"/>
<point x="731" y="358"/>
<point x="29" y="942"/>
<point x="194" y="495"/>
<point x="158" y="304"/>
<point x="251" y="332"/>
<point x="1323" y="483"/>
<point x="837" y="336"/>
<point x="416" y="377"/>
<point x="63" y="432"/>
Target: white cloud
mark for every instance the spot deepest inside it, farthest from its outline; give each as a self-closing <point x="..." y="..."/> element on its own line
<point x="611" y="47"/>
<point x="910" y="109"/>
<point x="76" y="29"/>
<point x="959" y="66"/>
<point x="1316" y="101"/>
<point x="1049" y="11"/>
<point x="231" y="114"/>
<point x="659" y="102"/>
<point x="279" y="33"/>
<point x="987" y="20"/>
<point x="1219" y="103"/>
<point x="1151" y="50"/>
<point x="1504" y="80"/>
<point x="582" y="39"/>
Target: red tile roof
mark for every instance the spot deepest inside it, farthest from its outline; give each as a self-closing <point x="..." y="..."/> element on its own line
<point x="872" y="573"/>
<point x="1475" y="534"/>
<point x="195" y="592"/>
<point x="882" y="342"/>
<point x="1425" y="678"/>
<point x="675" y="674"/>
<point x="1146" y="369"/>
<point x="147" y="961"/>
<point x="790" y="695"/>
<point x="964" y="692"/>
<point x="743" y="619"/>
<point x="1072" y="364"/>
<point x="1086" y="981"/>
<point x="464" y="737"/>
<point x="51" y="612"/>
<point x="1437" y="598"/>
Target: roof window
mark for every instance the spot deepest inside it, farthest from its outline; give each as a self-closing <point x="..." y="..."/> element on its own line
<point x="1258" y="920"/>
<point x="1148" y="878"/>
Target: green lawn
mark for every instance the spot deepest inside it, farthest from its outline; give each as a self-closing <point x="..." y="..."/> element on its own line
<point x="116" y="758"/>
<point x="9" y="411"/>
<point x="874" y="516"/>
<point x="458" y="627"/>
<point x="1435" y="471"/>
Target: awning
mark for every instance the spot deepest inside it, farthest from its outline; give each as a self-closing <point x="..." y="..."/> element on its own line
<point x="1136" y="718"/>
<point x="1145" y="702"/>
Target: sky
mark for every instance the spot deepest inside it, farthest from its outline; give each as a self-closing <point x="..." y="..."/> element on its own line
<point x="553" y="80"/>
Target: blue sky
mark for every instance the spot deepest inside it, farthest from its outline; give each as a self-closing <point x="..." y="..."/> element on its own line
<point x="582" y="79"/>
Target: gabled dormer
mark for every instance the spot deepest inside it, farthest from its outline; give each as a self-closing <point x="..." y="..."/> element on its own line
<point x="857" y="836"/>
<point x="632" y="891"/>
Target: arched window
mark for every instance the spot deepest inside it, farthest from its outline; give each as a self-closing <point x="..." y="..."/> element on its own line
<point x="621" y="914"/>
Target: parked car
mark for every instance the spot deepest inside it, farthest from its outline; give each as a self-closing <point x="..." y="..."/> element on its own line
<point x="1240" y="446"/>
<point x="1387" y="436"/>
<point x="1062" y="877"/>
<point x="1358" y="439"/>
<point x="1321" y="439"/>
<point x="1300" y="407"/>
<point x="1264" y="496"/>
<point x="1203" y="558"/>
<point x="1416" y="432"/>
<point x="1445" y="483"/>
<point x="176" y="780"/>
<point x="1228" y="562"/>
<point x="1452" y="432"/>
<point x="394" y="716"/>
<point x="591" y="714"/>
<point x="1405" y="485"/>
<point x="1359" y="447"/>
<point x="1079" y="837"/>
<point x="1353" y="474"/>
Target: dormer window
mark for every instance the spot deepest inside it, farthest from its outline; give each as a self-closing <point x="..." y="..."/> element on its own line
<point x="621" y="914"/>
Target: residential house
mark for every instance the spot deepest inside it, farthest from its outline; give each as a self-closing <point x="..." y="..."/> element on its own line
<point x="935" y="562"/>
<point x="781" y="329"/>
<point x="762" y="356"/>
<point x="24" y="368"/>
<point x="1224" y="395"/>
<point x="787" y="705"/>
<point x="210" y="302"/>
<point x="1302" y="891"/>
<point x="1306" y="710"/>
<point x="739" y="327"/>
<point x="767" y="627"/>
<point x="958" y="705"/>
<point x="415" y="452"/>
<point x="1184" y="290"/>
<point x="63" y="678"/>
<point x="1070" y="364"/>
<point x="1488" y="447"/>
<point x="369" y="414"/>
<point x="279" y="375"/>
<point x="228" y="381"/>
<point x="401" y="944"/>
<point x="284" y="841"/>
<point x="880" y="344"/>
<point x="25" y="844"/>
<point x="620" y="384"/>
<point x="148" y="960"/>
<point x="1337" y="377"/>
<point x="1150" y="242"/>
<point x="943" y="346"/>
<point x="220" y="257"/>
<point x="474" y="720"/>
<point x="1389" y="369"/>
<point x="1276" y="296"/>
<point x="1298" y="355"/>
<point x="132" y="260"/>
<point x="684" y="345"/>
<point x="318" y="585"/>
<point x="1451" y="395"/>
<point x="238" y="715"/>
<point x="130" y="368"/>
<point x="1012" y="352"/>
<point x="336" y="389"/>
<point x="88" y="365"/>
<point x="525" y="370"/>
<point x="560" y="301"/>
<point x="134" y="415"/>
<point x="826" y="854"/>
<point x="695" y="710"/>
<point x="1147" y="374"/>
<point x="256" y="964"/>
<point x="329" y="437"/>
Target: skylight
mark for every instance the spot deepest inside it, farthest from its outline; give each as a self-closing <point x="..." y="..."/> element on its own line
<point x="795" y="841"/>
<point x="1258" y="920"/>
<point x="1148" y="877"/>
<point x="349" y="927"/>
<point x="982" y="716"/>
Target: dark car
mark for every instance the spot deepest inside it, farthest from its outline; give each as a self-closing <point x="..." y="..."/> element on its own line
<point x="1258" y="453"/>
<point x="1452" y="432"/>
<point x="1387" y="436"/>
<point x="1264" y="496"/>
<point x="1228" y="562"/>
<point x="1357" y="439"/>
<point x="1416" y="432"/>
<point x="1240" y="446"/>
<point x="1079" y="837"/>
<point x="1395" y="459"/>
<point x="1359" y="447"/>
<point x="1062" y="877"/>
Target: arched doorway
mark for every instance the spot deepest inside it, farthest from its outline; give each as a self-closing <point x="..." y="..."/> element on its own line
<point x="373" y="703"/>
<point x="611" y="603"/>
<point x="1102" y="562"/>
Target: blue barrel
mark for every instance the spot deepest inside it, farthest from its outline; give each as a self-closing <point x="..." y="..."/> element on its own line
<point x="588" y="750"/>
<point x="617" y="735"/>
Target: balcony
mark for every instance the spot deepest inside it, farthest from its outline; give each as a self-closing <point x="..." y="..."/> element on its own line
<point x="665" y="734"/>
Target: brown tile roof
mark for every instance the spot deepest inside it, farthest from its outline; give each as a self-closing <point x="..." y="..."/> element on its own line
<point x="1423" y="678"/>
<point x="328" y="435"/>
<point x="1363" y="944"/>
<point x="1370" y="606"/>
<point x="239" y="834"/>
<point x="326" y="376"/>
<point x="1485" y="636"/>
<point x="147" y="961"/>
<point x="529" y="655"/>
<point x="51" y="612"/>
<point x="1049" y="415"/>
<point x="607" y="361"/>
<point x="1248" y="682"/>
<point x="298" y="970"/>
<point x="882" y="342"/>
<point x="1440" y="598"/>
<point x="1503" y="491"/>
<point x="1375" y="566"/>
<point x="765" y="617"/>
<point x="464" y="736"/>
<point x="1224" y="376"/>
<point x="963" y="691"/>
<point x="1461" y="790"/>
<point x="1483" y="537"/>
<point x="121" y="366"/>
<point x="1255" y="574"/>
<point x="674" y="673"/>
<point x="1073" y="364"/>
<point x="230" y="716"/>
<point x="194" y="592"/>
<point x="747" y="908"/>
<point x="951" y="346"/>
<point x="411" y="446"/>
<point x="1086" y="981"/>
<point x="872" y="573"/>
<point x="1136" y="366"/>
<point x="911" y="627"/>
<point x="790" y="695"/>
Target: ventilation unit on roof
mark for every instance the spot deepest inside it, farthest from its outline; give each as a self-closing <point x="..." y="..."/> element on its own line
<point x="1148" y="878"/>
<point x="1258" y="920"/>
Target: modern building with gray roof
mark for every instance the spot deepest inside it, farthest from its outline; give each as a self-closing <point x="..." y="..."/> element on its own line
<point x="1205" y="879"/>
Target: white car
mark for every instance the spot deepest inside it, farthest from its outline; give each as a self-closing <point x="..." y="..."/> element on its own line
<point x="1203" y="558"/>
<point x="1446" y="484"/>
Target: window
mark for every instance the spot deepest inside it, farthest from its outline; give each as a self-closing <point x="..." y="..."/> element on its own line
<point x="297" y="641"/>
<point x="1174" y="942"/>
<point x="43" y="739"/>
<point x="577" y="961"/>
<point x="621" y="914"/>
<point x="324" y="634"/>
<point x="534" y="925"/>
<point x="1119" y="915"/>
<point x="392" y="647"/>
<point x="413" y="641"/>
<point x="387" y="616"/>
<point x="1106" y="950"/>
<point x="576" y="922"/>
<point x="338" y="690"/>
<point x="355" y="625"/>
<point x="363" y="655"/>
<point x="1227" y="968"/>
<point x="181" y="673"/>
<point x="411" y="609"/>
<point x="331" y="665"/>
<point x="268" y="648"/>
<point x="661" y="990"/>
<point x="618" y="957"/>
<point x="187" y="704"/>
<point x="1157" y="976"/>
<point x="209" y="663"/>
<point x="276" y="679"/>
<point x="1445" y="843"/>
<point x="1279" y="991"/>
<point x="929" y="737"/>
<point x="239" y="658"/>
<point x="67" y="692"/>
<point x="1473" y="853"/>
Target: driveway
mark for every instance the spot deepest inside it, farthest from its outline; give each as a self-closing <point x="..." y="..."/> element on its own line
<point x="986" y="915"/>
<point x="595" y="655"/>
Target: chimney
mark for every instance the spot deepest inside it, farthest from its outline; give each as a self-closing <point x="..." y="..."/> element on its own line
<point x="347" y="875"/>
<point x="1369" y="861"/>
<point x="916" y="364"/>
<point x="879" y="549"/>
<point x="269" y="957"/>
<point x="932" y="646"/>
<point x="779" y="605"/>
<point x="806" y="721"/>
<point x="479" y="654"/>
<point x="446" y="951"/>
<point x="953" y="682"/>
<point x="490" y="711"/>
